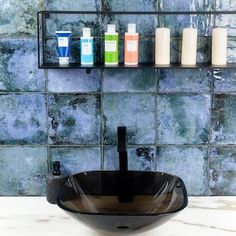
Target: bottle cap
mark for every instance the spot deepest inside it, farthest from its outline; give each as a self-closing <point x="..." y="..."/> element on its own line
<point x="86" y="32"/>
<point x="64" y="60"/>
<point x="111" y="28"/>
<point x="132" y="28"/>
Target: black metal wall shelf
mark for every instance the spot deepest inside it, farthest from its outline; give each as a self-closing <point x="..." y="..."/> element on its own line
<point x="42" y="16"/>
<point x="139" y="66"/>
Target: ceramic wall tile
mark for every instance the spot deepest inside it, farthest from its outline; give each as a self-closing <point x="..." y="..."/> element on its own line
<point x="224" y="81"/>
<point x="18" y="66"/>
<point x="223" y="119"/>
<point x="189" y="163"/>
<point x="223" y="171"/>
<point x="139" y="158"/>
<point x="74" y="81"/>
<point x="184" y="5"/>
<point x="143" y="80"/>
<point x="231" y="50"/>
<point x="134" y="111"/>
<point x="177" y="23"/>
<point x="73" y="5"/>
<point x="76" y="159"/>
<point x="23" y="119"/>
<point x="178" y="80"/>
<point x="132" y="5"/>
<point x="23" y="171"/>
<point x="228" y="21"/>
<point x="183" y="119"/>
<point x="18" y="18"/>
<point x="74" y="119"/>
<point x="225" y="5"/>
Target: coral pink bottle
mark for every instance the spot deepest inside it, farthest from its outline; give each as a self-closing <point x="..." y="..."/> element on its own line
<point x="131" y="45"/>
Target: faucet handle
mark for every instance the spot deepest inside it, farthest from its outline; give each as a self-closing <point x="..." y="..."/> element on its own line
<point x="122" y="139"/>
<point x="56" y="168"/>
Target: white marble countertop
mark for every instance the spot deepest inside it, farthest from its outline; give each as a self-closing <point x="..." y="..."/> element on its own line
<point x="33" y="216"/>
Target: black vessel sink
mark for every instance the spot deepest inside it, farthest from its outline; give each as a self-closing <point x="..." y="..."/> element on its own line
<point x="122" y="201"/>
<point x="128" y="202"/>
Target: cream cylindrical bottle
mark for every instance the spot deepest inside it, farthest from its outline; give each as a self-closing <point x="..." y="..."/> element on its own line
<point x="131" y="45"/>
<point x="162" y="46"/>
<point x="189" y="46"/>
<point x="111" y="45"/>
<point x="219" y="46"/>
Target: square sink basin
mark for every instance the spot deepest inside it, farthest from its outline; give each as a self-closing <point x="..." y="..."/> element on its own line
<point x="122" y="202"/>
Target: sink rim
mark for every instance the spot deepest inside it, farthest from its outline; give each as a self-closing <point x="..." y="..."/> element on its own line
<point x="60" y="192"/>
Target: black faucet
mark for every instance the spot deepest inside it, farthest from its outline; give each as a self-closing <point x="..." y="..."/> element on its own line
<point x="125" y="183"/>
<point x="122" y="148"/>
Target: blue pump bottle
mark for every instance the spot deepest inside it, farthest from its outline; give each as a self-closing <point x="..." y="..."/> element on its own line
<point x="86" y="48"/>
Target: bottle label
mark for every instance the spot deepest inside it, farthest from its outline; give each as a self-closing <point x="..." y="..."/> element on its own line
<point x="110" y="46"/>
<point x="63" y="41"/>
<point x="132" y="46"/>
<point x="86" y="48"/>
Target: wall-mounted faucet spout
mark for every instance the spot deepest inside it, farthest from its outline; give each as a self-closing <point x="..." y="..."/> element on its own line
<point x="125" y="183"/>
<point x="122" y="148"/>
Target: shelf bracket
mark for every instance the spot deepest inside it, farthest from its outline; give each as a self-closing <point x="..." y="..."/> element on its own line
<point x="88" y="71"/>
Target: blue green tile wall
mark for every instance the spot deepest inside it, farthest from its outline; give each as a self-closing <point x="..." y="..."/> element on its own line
<point x="179" y="121"/>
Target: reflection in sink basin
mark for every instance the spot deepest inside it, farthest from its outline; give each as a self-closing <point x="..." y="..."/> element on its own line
<point x="115" y="201"/>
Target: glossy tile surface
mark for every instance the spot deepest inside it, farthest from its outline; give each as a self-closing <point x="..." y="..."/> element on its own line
<point x="224" y="126"/>
<point x="185" y="5"/>
<point x="18" y="18"/>
<point x="88" y="5"/>
<point x="189" y="163"/>
<point x="143" y="80"/>
<point x="183" y="119"/>
<point x="76" y="159"/>
<point x="134" y="111"/>
<point x="132" y="5"/>
<point x="139" y="158"/>
<point x="23" y="170"/>
<point x="176" y="80"/>
<point x="224" y="81"/>
<point x="225" y="5"/>
<point x="223" y="171"/>
<point x="74" y="119"/>
<point x="18" y="66"/>
<point x="74" y="81"/>
<point x="23" y="119"/>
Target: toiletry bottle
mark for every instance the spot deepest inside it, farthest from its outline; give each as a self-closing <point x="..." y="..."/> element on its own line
<point x="162" y="46"/>
<point x="219" y="47"/>
<point x="86" y="46"/>
<point x="111" y="45"/>
<point x="63" y="46"/>
<point x="131" y="45"/>
<point x="53" y="183"/>
<point x="189" y="47"/>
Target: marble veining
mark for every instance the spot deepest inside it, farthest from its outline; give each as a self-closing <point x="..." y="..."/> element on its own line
<point x="206" y="216"/>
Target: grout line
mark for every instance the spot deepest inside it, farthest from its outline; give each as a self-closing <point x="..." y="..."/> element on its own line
<point x="157" y="78"/>
<point x="113" y="145"/>
<point x="207" y="167"/>
<point x="118" y="93"/>
<point x="102" y="122"/>
<point x="101" y="91"/>
<point x="47" y="121"/>
<point x="211" y="106"/>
